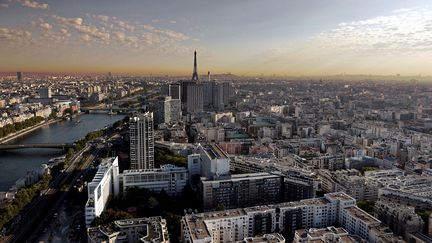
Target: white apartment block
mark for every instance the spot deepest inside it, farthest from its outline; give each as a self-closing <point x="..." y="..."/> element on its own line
<point x="168" y="177"/>
<point x="237" y="224"/>
<point x="214" y="161"/>
<point x="104" y="184"/>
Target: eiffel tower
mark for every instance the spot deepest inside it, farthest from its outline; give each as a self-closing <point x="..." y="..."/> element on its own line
<point x="195" y="71"/>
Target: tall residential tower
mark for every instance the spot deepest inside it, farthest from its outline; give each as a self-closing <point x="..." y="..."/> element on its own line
<point x="141" y="141"/>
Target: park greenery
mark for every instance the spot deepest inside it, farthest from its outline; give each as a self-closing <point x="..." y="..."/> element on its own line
<point x="425" y="214"/>
<point x="18" y="126"/>
<point x="164" y="156"/>
<point x="366" y="206"/>
<point x="368" y="168"/>
<point x="79" y="145"/>
<point x="23" y="197"/>
<point x="69" y="111"/>
<point x="120" y="123"/>
<point x="140" y="202"/>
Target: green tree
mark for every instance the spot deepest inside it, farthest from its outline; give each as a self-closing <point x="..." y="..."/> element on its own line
<point x="152" y="202"/>
<point x="366" y="206"/>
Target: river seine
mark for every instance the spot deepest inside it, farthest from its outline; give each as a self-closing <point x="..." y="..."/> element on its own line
<point x="14" y="164"/>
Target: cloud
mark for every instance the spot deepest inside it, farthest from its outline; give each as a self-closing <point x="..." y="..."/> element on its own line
<point x="98" y="31"/>
<point x="400" y="42"/>
<point x="88" y="31"/>
<point x="119" y="35"/>
<point x="124" y="25"/>
<point x="177" y="36"/>
<point x="132" y="41"/>
<point x="46" y="26"/>
<point x="94" y="32"/>
<point x="85" y="38"/>
<point x="33" y="4"/>
<point x="148" y="27"/>
<point x="103" y="18"/>
<point x="68" y="21"/>
<point x="13" y="36"/>
<point x="403" y="31"/>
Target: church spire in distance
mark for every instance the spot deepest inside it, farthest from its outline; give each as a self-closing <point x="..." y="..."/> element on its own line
<point x="195" y="71"/>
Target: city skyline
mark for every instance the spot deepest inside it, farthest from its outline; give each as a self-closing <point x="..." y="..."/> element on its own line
<point x="253" y="37"/>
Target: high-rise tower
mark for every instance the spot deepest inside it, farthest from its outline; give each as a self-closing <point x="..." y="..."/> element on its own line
<point x="141" y="141"/>
<point x="19" y="76"/>
<point x="195" y="71"/>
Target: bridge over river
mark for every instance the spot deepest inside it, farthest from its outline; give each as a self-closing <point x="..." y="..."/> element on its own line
<point x="63" y="146"/>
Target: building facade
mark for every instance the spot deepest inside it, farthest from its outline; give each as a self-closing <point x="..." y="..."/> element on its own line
<point x="195" y="98"/>
<point x="214" y="161"/>
<point x="152" y="229"/>
<point x="168" y="110"/>
<point x="168" y="178"/>
<point x="104" y="184"/>
<point x="242" y="190"/>
<point x="141" y="133"/>
<point x="237" y="224"/>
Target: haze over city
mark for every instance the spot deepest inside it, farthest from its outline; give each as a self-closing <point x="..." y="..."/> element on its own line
<point x="243" y="37"/>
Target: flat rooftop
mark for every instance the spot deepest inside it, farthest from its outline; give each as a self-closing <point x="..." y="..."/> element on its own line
<point x="321" y="232"/>
<point x="240" y="177"/>
<point x="267" y="238"/>
<point x="362" y="215"/>
<point x="148" y="229"/>
<point x="339" y="196"/>
<point x="197" y="226"/>
<point x="224" y="214"/>
<point x="214" y="151"/>
<point x="102" y="170"/>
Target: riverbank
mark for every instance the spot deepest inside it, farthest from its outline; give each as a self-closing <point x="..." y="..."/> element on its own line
<point x="25" y="131"/>
<point x="14" y="164"/>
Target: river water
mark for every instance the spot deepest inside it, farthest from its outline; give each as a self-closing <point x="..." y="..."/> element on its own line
<point x="14" y="164"/>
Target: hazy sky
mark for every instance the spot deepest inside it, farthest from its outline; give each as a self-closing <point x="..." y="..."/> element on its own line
<point x="301" y="37"/>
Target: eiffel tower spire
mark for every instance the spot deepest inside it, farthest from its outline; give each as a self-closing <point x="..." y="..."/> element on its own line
<point x="195" y="71"/>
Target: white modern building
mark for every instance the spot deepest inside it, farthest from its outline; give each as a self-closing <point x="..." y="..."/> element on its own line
<point x="169" y="178"/>
<point x="141" y="141"/>
<point x="104" y="184"/>
<point x="214" y="161"/>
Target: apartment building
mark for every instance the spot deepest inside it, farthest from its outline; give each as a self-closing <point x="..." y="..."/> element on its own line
<point x="237" y="224"/>
<point x="242" y="190"/>
<point x="152" y="229"/>
<point x="168" y="177"/>
<point x="104" y="184"/>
